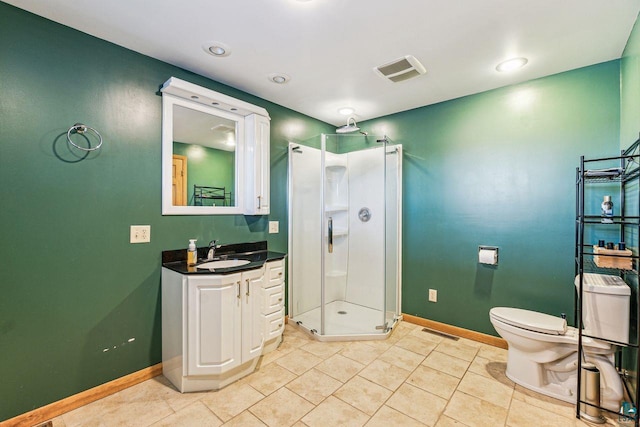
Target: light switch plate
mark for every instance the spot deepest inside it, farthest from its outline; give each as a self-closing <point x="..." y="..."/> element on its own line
<point x="140" y="234"/>
<point x="433" y="295"/>
<point x="274" y="227"/>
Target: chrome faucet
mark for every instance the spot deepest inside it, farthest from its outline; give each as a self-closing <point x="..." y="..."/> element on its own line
<point x="212" y="249"/>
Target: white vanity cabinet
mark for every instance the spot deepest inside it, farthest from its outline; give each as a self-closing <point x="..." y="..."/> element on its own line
<point x="257" y="129"/>
<point x="273" y="304"/>
<point x="212" y="327"/>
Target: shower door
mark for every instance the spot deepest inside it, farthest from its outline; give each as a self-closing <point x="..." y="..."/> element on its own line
<point x="344" y="236"/>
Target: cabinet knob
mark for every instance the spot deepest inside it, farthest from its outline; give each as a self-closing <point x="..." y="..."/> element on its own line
<point x="279" y="299"/>
<point x="280" y="325"/>
<point x="280" y="274"/>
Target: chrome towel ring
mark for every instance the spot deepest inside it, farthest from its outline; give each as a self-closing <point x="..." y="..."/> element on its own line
<point x="81" y="129"/>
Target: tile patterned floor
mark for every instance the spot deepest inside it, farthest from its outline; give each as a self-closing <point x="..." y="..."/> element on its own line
<point x="414" y="378"/>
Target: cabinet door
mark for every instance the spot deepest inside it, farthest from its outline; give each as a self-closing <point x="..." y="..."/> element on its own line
<point x="252" y="324"/>
<point x="214" y="324"/>
<point x="258" y="165"/>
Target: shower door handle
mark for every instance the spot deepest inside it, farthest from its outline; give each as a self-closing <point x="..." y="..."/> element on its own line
<point x="330" y="234"/>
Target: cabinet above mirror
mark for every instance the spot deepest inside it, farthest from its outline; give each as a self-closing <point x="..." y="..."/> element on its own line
<point x="215" y="153"/>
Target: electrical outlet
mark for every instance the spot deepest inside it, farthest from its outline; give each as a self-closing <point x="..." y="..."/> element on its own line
<point x="274" y="227"/>
<point x="433" y="295"/>
<point x="140" y="234"/>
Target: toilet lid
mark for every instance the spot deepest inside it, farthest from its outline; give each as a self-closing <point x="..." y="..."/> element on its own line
<point x="531" y="320"/>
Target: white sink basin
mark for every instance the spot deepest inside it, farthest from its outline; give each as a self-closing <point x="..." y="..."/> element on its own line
<point x="228" y="263"/>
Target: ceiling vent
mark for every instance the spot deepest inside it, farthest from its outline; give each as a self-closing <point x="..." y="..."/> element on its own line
<point x="401" y="69"/>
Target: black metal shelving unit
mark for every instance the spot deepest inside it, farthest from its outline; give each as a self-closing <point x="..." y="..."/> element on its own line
<point x="217" y="195"/>
<point x="627" y="223"/>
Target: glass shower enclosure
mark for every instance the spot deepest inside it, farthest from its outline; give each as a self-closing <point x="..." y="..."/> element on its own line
<point x="345" y="222"/>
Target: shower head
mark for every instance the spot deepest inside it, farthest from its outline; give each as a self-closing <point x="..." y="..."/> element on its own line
<point x="351" y="126"/>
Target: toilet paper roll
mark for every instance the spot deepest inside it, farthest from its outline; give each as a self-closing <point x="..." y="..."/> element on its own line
<point x="488" y="256"/>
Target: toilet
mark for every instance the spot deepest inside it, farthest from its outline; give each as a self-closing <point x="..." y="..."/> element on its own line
<point x="543" y="350"/>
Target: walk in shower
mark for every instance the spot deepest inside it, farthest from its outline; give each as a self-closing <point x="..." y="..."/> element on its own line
<point x="345" y="222"/>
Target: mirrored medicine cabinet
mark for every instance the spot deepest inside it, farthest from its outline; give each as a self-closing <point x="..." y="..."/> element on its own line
<point x="215" y="153"/>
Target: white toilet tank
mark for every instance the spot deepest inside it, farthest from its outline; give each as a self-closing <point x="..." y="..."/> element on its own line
<point x="606" y="306"/>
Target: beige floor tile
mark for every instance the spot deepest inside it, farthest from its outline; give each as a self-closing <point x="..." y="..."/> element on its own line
<point x="458" y="349"/>
<point x="402" y="358"/>
<point x="565" y="409"/>
<point x="245" y="419"/>
<point x="381" y="345"/>
<point x="490" y="369"/>
<point x="340" y="367"/>
<point x="361" y="351"/>
<point x="405" y="328"/>
<point x="475" y="412"/>
<point x="427" y="336"/>
<point x="196" y="414"/>
<point x="385" y="374"/>
<point x="417" y="403"/>
<point x="137" y="405"/>
<point x="363" y="394"/>
<point x="524" y="415"/>
<point x="298" y="361"/>
<point x="495" y="354"/>
<point x="447" y="364"/>
<point x="486" y="389"/>
<point x="172" y="396"/>
<point x="270" y="378"/>
<point x="314" y="386"/>
<point x="232" y="400"/>
<point x="58" y="422"/>
<point x="323" y="350"/>
<point x="271" y="357"/>
<point x="335" y="412"/>
<point x="388" y="417"/>
<point x="290" y="343"/>
<point x="434" y="381"/>
<point x="480" y="366"/>
<point x="282" y="408"/>
<point x="417" y="344"/>
<point x="445" y="421"/>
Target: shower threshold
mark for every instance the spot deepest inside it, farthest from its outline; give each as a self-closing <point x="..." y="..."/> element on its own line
<point x="344" y="321"/>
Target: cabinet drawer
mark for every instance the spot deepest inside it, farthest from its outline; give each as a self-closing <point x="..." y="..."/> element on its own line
<point x="273" y="299"/>
<point x="275" y="272"/>
<point x="274" y="324"/>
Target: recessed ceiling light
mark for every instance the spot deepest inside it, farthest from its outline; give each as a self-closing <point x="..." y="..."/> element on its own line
<point x="512" y="64"/>
<point x="217" y="49"/>
<point x="346" y="111"/>
<point x="279" y="78"/>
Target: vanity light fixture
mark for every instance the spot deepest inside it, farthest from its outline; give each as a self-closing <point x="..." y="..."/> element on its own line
<point x="511" y="64"/>
<point x="346" y="111"/>
<point x="217" y="49"/>
<point x="279" y="78"/>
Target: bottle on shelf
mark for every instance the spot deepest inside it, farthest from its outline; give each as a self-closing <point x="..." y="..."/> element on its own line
<point x="607" y="210"/>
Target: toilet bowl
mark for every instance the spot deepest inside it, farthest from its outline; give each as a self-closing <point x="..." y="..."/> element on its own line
<point x="543" y="355"/>
<point x="543" y="350"/>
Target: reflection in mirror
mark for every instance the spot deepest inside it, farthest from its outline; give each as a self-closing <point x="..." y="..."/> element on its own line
<point x="204" y="148"/>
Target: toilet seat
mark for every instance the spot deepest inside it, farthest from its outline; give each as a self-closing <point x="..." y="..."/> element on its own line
<point x="530" y="320"/>
<point x="542" y="327"/>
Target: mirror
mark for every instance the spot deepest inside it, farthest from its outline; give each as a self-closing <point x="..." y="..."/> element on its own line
<point x="204" y="148"/>
<point x="204" y="162"/>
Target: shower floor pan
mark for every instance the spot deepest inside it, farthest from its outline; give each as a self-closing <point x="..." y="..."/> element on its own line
<point x="344" y="322"/>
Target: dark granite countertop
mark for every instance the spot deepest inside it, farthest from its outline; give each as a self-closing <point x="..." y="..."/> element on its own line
<point x="256" y="253"/>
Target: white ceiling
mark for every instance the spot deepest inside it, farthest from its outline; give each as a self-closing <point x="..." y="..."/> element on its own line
<point x="330" y="47"/>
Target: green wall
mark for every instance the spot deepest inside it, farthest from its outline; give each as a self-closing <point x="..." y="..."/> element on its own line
<point x="630" y="89"/>
<point x="498" y="168"/>
<point x="72" y="284"/>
